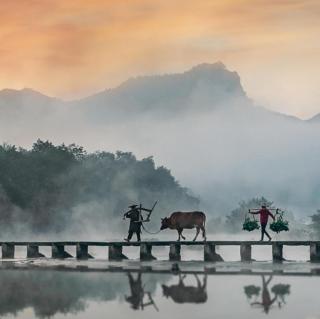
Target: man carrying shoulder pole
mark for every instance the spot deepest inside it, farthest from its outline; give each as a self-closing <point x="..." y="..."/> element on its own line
<point x="136" y="219"/>
<point x="264" y="215"/>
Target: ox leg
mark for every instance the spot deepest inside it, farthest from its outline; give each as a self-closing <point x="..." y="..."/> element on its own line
<point x="198" y="280"/>
<point x="181" y="230"/>
<point x="181" y="278"/>
<point x="204" y="282"/>
<point x="198" y="231"/>
<point x="203" y="233"/>
<point x="179" y="233"/>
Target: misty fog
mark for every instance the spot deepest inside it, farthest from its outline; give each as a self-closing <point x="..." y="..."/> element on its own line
<point x="199" y="124"/>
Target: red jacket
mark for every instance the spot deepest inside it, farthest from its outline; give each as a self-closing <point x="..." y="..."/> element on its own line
<point x="264" y="215"/>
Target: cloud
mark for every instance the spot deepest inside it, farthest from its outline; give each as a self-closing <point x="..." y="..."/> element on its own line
<point x="71" y="49"/>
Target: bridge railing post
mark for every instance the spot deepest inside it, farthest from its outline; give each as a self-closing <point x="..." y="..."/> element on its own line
<point x="33" y="251"/>
<point x="175" y="252"/>
<point x="82" y="251"/>
<point x="209" y="253"/>
<point x="146" y="252"/>
<point x="277" y="252"/>
<point x="115" y="253"/>
<point x="314" y="252"/>
<point x="245" y="252"/>
<point x="7" y="251"/>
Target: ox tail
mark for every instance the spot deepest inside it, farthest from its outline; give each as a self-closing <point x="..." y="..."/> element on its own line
<point x="204" y="233"/>
<point x="204" y="219"/>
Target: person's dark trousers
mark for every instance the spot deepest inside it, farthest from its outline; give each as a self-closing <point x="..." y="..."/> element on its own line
<point x="263" y="231"/>
<point x="130" y="234"/>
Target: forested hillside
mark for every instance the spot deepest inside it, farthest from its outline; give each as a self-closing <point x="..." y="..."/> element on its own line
<point x="53" y="188"/>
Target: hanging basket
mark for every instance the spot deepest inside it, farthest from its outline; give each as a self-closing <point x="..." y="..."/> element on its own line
<point x="279" y="224"/>
<point x="250" y="224"/>
<point x="251" y="291"/>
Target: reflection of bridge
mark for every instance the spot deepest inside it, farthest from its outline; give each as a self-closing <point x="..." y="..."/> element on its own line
<point x="116" y="249"/>
<point x="50" y="290"/>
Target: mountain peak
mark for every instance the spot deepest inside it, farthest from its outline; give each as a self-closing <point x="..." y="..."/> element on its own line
<point x="208" y="67"/>
<point x="24" y="94"/>
<point x="203" y="87"/>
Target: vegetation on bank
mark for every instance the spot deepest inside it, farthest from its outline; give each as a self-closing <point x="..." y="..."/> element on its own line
<point x="51" y="186"/>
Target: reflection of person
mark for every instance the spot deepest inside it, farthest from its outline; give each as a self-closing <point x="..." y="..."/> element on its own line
<point x="264" y="215"/>
<point x="266" y="301"/>
<point x="138" y="293"/>
<point x="135" y="221"/>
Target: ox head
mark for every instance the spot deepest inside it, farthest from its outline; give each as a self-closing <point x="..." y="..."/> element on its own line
<point x="164" y="223"/>
<point x="165" y="291"/>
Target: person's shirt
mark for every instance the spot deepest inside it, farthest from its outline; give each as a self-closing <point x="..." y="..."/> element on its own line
<point x="133" y="214"/>
<point x="264" y="215"/>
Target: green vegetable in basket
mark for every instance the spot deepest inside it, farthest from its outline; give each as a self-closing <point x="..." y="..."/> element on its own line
<point x="251" y="291"/>
<point x="250" y="224"/>
<point x="279" y="224"/>
<point x="281" y="289"/>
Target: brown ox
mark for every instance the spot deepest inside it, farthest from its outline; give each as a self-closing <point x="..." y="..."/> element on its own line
<point x="185" y="220"/>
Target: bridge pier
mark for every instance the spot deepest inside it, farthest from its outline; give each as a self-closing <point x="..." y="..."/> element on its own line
<point x="59" y="252"/>
<point x="146" y="252"/>
<point x="82" y="251"/>
<point x="314" y="252"/>
<point x="277" y="252"/>
<point x="175" y="252"/>
<point x="245" y="252"/>
<point x="209" y="253"/>
<point x="33" y="252"/>
<point x="7" y="251"/>
<point x="115" y="253"/>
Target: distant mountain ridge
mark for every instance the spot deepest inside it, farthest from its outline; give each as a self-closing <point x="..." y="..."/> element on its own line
<point x="199" y="123"/>
<point x="207" y="85"/>
<point x="315" y="119"/>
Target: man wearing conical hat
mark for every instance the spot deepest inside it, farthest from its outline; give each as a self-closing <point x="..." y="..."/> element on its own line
<point x="134" y="214"/>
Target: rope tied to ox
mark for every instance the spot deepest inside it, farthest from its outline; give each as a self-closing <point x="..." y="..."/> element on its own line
<point x="149" y="231"/>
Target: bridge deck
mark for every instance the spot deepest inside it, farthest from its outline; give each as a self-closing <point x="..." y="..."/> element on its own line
<point x="161" y="243"/>
<point x="115" y="248"/>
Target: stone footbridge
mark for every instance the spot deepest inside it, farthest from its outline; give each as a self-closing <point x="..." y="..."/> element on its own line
<point x="115" y="249"/>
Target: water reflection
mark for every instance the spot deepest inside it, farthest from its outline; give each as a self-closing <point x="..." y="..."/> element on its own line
<point x="52" y="292"/>
<point x="138" y="294"/>
<point x="181" y="293"/>
<point x="279" y="291"/>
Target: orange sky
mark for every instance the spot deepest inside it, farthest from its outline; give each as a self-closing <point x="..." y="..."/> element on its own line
<point x="71" y="48"/>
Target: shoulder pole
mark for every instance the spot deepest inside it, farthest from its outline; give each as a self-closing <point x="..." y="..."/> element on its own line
<point x="154" y="205"/>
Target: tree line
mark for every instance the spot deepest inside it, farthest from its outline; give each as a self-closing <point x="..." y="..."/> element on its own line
<point x="50" y="186"/>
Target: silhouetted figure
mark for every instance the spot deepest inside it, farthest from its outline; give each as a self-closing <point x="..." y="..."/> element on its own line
<point x="187" y="294"/>
<point x="136" y="220"/>
<point x="266" y="301"/>
<point x="264" y="215"/>
<point x="137" y="294"/>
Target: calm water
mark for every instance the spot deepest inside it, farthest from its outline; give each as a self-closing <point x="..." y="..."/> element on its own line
<point x="98" y="289"/>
